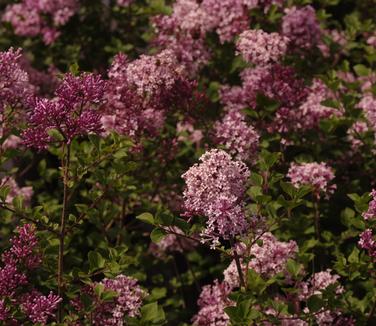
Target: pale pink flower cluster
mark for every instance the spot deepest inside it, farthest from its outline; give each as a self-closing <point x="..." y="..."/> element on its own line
<point x="311" y="112"/>
<point x="261" y="48"/>
<point x="355" y="132"/>
<point x="215" y="189"/>
<point x="319" y="282"/>
<point x="15" y="88"/>
<point x="368" y="105"/>
<point x="152" y="75"/>
<point x="240" y="139"/>
<point x="371" y="40"/>
<point x="140" y="93"/>
<point x="15" y="190"/>
<point x="124" y="3"/>
<point x="317" y="175"/>
<point x="40" y="17"/>
<point x="22" y="257"/>
<point x="129" y="299"/>
<point x="212" y="301"/>
<point x="267" y="259"/>
<point x="314" y="286"/>
<point x="301" y="26"/>
<point x="371" y="212"/>
<point x="276" y="82"/>
<point x="368" y="243"/>
<point x="227" y="17"/>
<point x="270" y="258"/>
<point x="112" y="312"/>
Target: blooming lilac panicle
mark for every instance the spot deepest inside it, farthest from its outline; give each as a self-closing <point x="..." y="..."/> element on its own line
<point x="319" y="282"/>
<point x="14" y="81"/>
<point x="227" y="17"/>
<point x="212" y="301"/>
<point x="73" y="111"/>
<point x="368" y="105"/>
<point x="151" y="75"/>
<point x="23" y="248"/>
<point x="301" y="26"/>
<point x="214" y="188"/>
<point x="318" y="175"/>
<point x="4" y="311"/>
<point x="241" y="140"/>
<point x="261" y="48"/>
<point x="129" y="299"/>
<point x="35" y="17"/>
<point x="371" y="212"/>
<point x="38" y="307"/>
<point x="368" y="243"/>
<point x="270" y="258"/>
<point x="354" y="134"/>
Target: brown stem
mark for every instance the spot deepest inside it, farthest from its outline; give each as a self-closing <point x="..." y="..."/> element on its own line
<point x="60" y="268"/>
<point x="238" y="266"/>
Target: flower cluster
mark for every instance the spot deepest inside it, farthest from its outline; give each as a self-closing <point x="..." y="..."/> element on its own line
<point x="317" y="175"/>
<point x="127" y="302"/>
<point x="139" y="93"/>
<point x="38" y="307"/>
<point x="371" y="212"/>
<point x="72" y="113"/>
<point x="36" y="17"/>
<point x="214" y="188"/>
<point x="15" y="190"/>
<point x="212" y="301"/>
<point x="368" y="243"/>
<point x="19" y="259"/>
<point x="15" y="88"/>
<point x="124" y="3"/>
<point x="261" y="48"/>
<point x="301" y="26"/>
<point x="240" y="139"/>
<point x="368" y="105"/>
<point x="354" y="134"/>
<point x="267" y="259"/>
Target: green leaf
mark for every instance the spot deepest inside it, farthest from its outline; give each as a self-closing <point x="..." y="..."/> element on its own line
<point x="315" y="303"/>
<point x="157" y="235"/>
<point x="361" y="70"/>
<point x="147" y="218"/>
<point x="151" y="312"/>
<point x="96" y="261"/>
<point x="4" y="191"/>
<point x="18" y="203"/>
<point x="354" y="256"/>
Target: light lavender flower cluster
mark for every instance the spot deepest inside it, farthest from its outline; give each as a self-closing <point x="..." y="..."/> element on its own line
<point x="317" y="175"/>
<point x="215" y="189"/>
<point x="261" y="48"/>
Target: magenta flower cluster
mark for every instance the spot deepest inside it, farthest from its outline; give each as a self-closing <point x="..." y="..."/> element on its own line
<point x="22" y="257"/>
<point x="40" y="17"/>
<point x="73" y="112"/>
<point x="317" y="175"/>
<point x="261" y="48"/>
<point x="301" y="26"/>
<point x="215" y="189"/>
<point x="140" y="93"/>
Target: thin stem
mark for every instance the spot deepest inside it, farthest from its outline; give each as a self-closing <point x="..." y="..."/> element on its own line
<point x="60" y="268"/>
<point x="317" y="219"/>
<point x="238" y="266"/>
